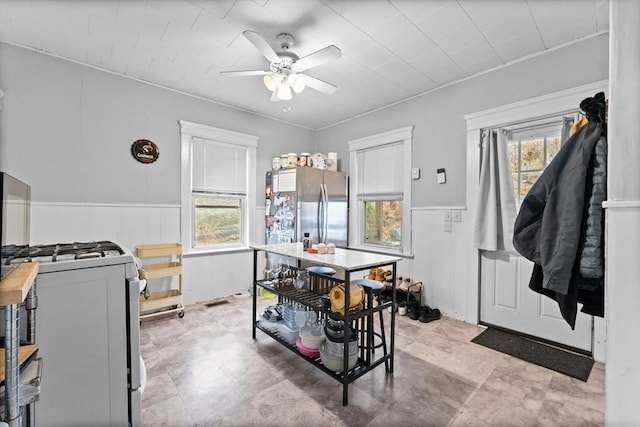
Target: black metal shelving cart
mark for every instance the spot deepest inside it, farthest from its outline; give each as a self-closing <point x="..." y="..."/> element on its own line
<point x="346" y="262"/>
<point x="18" y="400"/>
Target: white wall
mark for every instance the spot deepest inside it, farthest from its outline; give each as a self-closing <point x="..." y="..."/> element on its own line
<point x="205" y="276"/>
<point x="439" y="140"/>
<point x="67" y="130"/>
<point x="437" y="261"/>
<point x="439" y="132"/>
<point x="622" y="380"/>
<point x="58" y="116"/>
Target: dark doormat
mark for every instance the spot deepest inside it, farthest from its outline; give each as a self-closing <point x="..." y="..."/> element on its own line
<point x="563" y="361"/>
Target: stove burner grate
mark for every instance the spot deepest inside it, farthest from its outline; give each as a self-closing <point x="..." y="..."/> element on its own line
<point x="77" y="249"/>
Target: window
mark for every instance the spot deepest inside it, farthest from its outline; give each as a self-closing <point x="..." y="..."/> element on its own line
<point x="218" y="220"/>
<point x="381" y="192"/>
<point x="530" y="151"/>
<point x="380" y="175"/>
<point x="217" y="169"/>
<point x="383" y="223"/>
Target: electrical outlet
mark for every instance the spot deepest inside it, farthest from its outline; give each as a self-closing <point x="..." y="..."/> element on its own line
<point x="456" y="216"/>
<point x="447" y="216"/>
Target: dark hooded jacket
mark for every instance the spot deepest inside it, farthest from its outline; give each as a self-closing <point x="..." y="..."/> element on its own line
<point x="550" y="226"/>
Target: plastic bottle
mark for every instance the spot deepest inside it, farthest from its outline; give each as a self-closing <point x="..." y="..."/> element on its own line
<point x="306" y="242"/>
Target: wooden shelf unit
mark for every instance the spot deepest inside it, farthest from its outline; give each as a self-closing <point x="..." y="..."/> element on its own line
<point x="167" y="301"/>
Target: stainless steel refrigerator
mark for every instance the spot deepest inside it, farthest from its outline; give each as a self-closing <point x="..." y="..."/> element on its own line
<point x="306" y="200"/>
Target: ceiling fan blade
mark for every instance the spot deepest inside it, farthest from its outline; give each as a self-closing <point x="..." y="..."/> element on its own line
<point x="260" y="44"/>
<point x="316" y="58"/>
<point x="246" y="73"/>
<point x="319" y="85"/>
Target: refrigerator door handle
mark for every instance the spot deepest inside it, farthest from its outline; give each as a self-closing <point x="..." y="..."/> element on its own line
<point x="325" y="213"/>
<point x="322" y="224"/>
<point x="320" y="213"/>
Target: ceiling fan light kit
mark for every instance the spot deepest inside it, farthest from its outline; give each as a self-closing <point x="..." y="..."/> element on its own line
<point x="285" y="67"/>
<point x="297" y="82"/>
<point x="284" y="90"/>
<point x="271" y="81"/>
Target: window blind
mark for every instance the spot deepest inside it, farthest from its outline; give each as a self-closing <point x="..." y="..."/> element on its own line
<point x="381" y="170"/>
<point x="218" y="167"/>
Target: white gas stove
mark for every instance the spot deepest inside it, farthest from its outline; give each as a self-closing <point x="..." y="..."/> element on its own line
<point x="88" y="332"/>
<point x="76" y="255"/>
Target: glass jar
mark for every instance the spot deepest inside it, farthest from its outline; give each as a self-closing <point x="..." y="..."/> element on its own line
<point x="284" y="161"/>
<point x="304" y="160"/>
<point x="275" y="163"/>
<point x="292" y="160"/>
<point x="302" y="280"/>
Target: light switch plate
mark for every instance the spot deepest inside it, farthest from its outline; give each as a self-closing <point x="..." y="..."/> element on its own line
<point x="442" y="175"/>
<point x="415" y="173"/>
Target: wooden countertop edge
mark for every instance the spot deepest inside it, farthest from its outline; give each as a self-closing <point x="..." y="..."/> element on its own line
<point x="15" y="286"/>
<point x="24" y="353"/>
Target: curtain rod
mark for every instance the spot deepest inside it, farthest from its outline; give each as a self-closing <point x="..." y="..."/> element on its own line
<point x="532" y="121"/>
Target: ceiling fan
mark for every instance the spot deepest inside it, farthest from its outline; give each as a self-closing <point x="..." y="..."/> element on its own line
<point x="285" y="67"/>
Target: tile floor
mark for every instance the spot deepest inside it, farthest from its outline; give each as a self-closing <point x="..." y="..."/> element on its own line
<point x="205" y="370"/>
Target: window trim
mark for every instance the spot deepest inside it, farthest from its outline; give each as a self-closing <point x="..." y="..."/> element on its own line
<point x="188" y="131"/>
<point x="403" y="136"/>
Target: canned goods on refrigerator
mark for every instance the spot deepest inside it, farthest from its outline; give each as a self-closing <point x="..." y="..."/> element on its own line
<point x="275" y="163"/>
<point x="332" y="161"/>
<point x="292" y="160"/>
<point x="304" y="160"/>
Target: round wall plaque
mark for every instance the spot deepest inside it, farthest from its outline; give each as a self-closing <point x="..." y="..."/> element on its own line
<point x="145" y="151"/>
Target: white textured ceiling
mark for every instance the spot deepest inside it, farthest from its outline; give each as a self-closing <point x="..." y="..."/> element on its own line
<point x="391" y="50"/>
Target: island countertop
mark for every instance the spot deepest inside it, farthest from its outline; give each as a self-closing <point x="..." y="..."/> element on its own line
<point x="347" y="259"/>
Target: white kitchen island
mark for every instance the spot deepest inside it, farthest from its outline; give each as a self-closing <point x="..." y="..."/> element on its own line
<point x="347" y="263"/>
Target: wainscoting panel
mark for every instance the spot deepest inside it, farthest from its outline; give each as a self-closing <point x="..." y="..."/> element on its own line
<point x="217" y="276"/>
<point x="438" y="255"/>
<point x="438" y="259"/>
<point x="205" y="276"/>
<point x="127" y="225"/>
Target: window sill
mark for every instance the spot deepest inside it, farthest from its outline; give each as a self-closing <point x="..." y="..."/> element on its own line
<point x="382" y="251"/>
<point x="206" y="252"/>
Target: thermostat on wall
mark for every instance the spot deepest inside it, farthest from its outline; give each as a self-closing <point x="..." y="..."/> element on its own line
<point x="442" y="176"/>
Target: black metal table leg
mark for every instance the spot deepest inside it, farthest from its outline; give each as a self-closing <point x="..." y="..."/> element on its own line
<point x="255" y="291"/>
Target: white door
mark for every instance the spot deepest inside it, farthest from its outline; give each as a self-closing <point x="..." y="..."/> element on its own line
<point x="505" y="297"/>
<point x="507" y="301"/>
